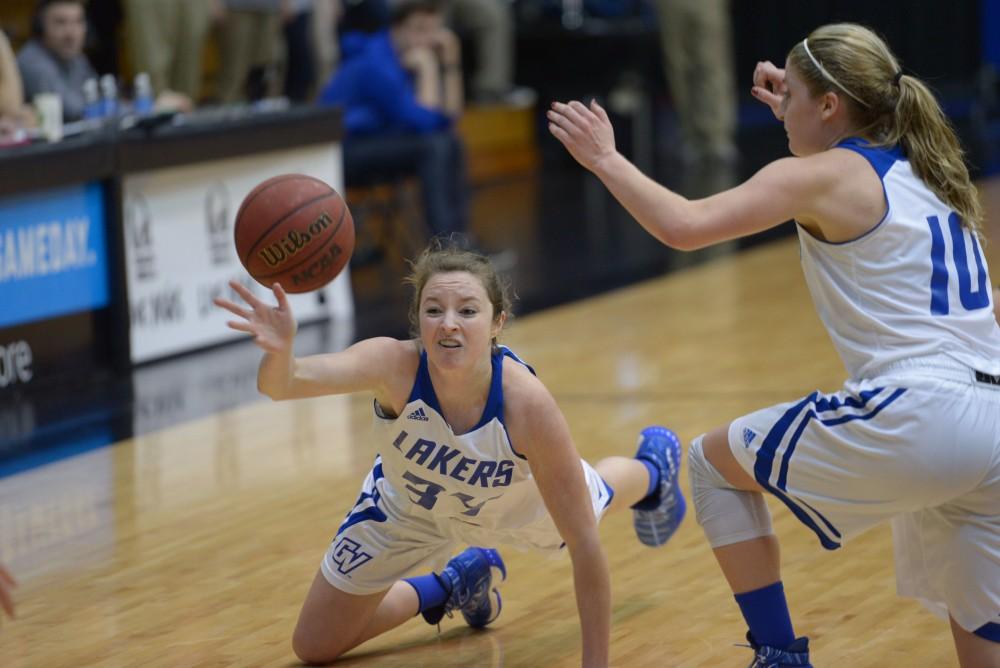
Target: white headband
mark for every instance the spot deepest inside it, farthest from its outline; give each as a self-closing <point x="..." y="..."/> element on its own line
<point x="822" y="70"/>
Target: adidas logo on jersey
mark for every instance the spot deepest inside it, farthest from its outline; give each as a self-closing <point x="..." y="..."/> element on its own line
<point x="748" y="436"/>
<point x="418" y="414"/>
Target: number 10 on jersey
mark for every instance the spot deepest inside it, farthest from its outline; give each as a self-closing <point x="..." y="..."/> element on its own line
<point x="971" y="299"/>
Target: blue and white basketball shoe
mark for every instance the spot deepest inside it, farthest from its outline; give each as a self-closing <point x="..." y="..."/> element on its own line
<point x="795" y="655"/>
<point x="657" y="517"/>
<point x="472" y="577"/>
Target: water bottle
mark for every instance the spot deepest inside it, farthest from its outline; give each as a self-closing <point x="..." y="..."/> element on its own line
<point x="109" y="96"/>
<point x="91" y="100"/>
<point x="142" y="102"/>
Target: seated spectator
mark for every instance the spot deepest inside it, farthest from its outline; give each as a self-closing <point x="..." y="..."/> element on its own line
<point x="401" y="89"/>
<point x="14" y="114"/>
<point x="53" y="60"/>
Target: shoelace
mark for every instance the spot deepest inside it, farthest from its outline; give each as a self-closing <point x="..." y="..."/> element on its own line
<point x="756" y="658"/>
<point x="464" y="596"/>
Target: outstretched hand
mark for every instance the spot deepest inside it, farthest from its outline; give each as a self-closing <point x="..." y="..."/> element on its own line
<point x="586" y="132"/>
<point x="769" y="87"/>
<point x="273" y="327"/>
<point x="6" y="583"/>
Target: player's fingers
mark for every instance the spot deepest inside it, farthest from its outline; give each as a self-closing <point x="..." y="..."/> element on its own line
<point x="245" y="294"/>
<point x="599" y="111"/>
<point x="558" y="133"/>
<point x="557" y="110"/>
<point x="759" y="78"/>
<point x="241" y="326"/>
<point x="281" y="296"/>
<point x="570" y="113"/>
<point x="557" y="120"/>
<point x="774" y="77"/>
<point x="767" y="76"/>
<point x="231" y="307"/>
<point x="585" y="114"/>
<point x="766" y="96"/>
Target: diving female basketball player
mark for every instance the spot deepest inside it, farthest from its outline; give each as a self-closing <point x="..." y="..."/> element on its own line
<point x="888" y="225"/>
<point x="472" y="449"/>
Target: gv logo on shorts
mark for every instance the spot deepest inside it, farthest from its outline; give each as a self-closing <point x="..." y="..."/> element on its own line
<point x="348" y="555"/>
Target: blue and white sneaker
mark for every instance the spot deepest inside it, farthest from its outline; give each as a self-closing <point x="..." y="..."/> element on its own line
<point x="473" y="577"/>
<point x="657" y="517"/>
<point x="795" y="655"/>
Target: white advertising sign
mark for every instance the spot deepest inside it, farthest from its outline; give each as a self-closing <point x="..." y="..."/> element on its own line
<point x="180" y="253"/>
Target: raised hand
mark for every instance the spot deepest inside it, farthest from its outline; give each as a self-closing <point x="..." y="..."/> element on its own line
<point x="273" y="327"/>
<point x="586" y="132"/>
<point x="769" y="87"/>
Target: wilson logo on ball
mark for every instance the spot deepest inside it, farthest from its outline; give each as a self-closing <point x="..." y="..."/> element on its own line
<point x="293" y="242"/>
<point x="295" y="230"/>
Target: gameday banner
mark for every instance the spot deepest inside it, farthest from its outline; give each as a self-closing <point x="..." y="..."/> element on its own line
<point x="180" y="253"/>
<point x="53" y="255"/>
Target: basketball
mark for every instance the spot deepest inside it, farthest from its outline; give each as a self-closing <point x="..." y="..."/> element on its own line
<point x="294" y="230"/>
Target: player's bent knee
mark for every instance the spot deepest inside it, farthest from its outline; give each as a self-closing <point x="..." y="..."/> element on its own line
<point x="715" y="446"/>
<point x="316" y="651"/>
<point x="727" y="515"/>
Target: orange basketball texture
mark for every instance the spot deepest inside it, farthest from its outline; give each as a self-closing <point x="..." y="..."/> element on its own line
<point x="294" y="230"/>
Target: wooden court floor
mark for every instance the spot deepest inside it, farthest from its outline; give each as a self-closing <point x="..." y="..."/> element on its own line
<point x="194" y="546"/>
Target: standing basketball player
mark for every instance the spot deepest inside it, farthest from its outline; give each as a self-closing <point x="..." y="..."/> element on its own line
<point x="473" y="449"/>
<point x="888" y="226"/>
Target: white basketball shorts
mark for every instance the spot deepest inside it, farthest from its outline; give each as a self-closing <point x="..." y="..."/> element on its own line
<point x="376" y="546"/>
<point x="920" y="445"/>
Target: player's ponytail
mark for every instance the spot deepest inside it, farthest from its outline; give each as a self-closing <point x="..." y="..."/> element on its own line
<point x="889" y="108"/>
<point x="927" y="137"/>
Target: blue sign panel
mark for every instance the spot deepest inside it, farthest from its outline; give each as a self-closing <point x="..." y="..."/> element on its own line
<point x="53" y="254"/>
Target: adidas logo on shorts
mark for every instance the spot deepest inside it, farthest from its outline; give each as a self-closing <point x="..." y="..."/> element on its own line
<point x="418" y="414"/>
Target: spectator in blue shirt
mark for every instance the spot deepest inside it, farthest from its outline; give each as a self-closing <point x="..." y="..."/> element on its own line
<point x="401" y="89"/>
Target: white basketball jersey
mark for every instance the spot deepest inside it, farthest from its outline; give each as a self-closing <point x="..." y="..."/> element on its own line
<point x="913" y="286"/>
<point x="472" y="486"/>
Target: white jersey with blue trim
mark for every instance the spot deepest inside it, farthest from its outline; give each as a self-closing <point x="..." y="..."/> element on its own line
<point x="473" y="486"/>
<point x="914" y="286"/>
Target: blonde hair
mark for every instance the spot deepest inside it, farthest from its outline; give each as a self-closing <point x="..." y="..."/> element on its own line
<point x="889" y="108"/>
<point x="443" y="256"/>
